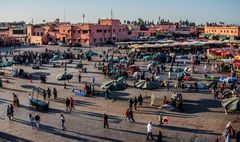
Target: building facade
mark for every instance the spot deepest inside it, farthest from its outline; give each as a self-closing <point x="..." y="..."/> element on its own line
<point x="222" y="30"/>
<point x="86" y="34"/>
<point x="12" y="33"/>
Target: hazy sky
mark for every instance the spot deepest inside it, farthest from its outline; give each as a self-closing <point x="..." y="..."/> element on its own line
<point x="199" y="11"/>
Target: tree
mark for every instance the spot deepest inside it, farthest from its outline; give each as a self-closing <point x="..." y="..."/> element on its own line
<point x="99" y="20"/>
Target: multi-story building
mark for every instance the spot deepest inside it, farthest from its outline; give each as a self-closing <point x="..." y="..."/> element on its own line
<point x="15" y="31"/>
<point x="107" y="31"/>
<point x="222" y="30"/>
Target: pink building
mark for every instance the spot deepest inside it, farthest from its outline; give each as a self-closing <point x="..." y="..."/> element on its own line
<point x="87" y="34"/>
<point x="166" y="28"/>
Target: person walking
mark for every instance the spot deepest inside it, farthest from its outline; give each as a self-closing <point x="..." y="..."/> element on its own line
<point x="222" y="87"/>
<point x="107" y="94"/>
<point x="131" y="115"/>
<point x="159" y="137"/>
<point x="37" y="120"/>
<point x="49" y="93"/>
<point x="127" y="115"/>
<point x="79" y="78"/>
<point x="12" y="110"/>
<point x="63" y="122"/>
<point x="135" y="103"/>
<point x="130" y="101"/>
<point x="55" y="93"/>
<point x="238" y="136"/>
<point x="67" y="102"/>
<point x="167" y="85"/>
<point x="160" y="119"/>
<point x="31" y="120"/>
<point x="9" y="112"/>
<point x="15" y="100"/>
<point x="72" y="104"/>
<point x="149" y="130"/>
<point x="140" y="100"/>
<point x="105" y="120"/>
<point x="44" y="94"/>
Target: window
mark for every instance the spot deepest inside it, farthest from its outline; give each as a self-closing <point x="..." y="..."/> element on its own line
<point x="85" y="31"/>
<point x="41" y="34"/>
<point x="231" y="31"/>
<point x="79" y="31"/>
<point x="105" y="39"/>
<point x="114" y="30"/>
<point x="63" y="30"/>
<point x="123" y="30"/>
<point x="99" y="31"/>
<point x="74" y="31"/>
<point x="109" y="31"/>
<point x="68" y="31"/>
<point x="119" y="30"/>
<point x="79" y="40"/>
<point x="100" y="39"/>
<point x="105" y="31"/>
<point x="94" y="40"/>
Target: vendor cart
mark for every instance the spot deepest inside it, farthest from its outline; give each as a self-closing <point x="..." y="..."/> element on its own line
<point x="39" y="104"/>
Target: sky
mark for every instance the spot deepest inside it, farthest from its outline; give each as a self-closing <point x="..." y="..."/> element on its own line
<point x="199" y="11"/>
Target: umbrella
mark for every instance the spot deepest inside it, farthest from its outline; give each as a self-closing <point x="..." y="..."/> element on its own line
<point x="152" y="64"/>
<point x="123" y="60"/>
<point x="158" y="55"/>
<point x="121" y="78"/>
<point x="113" y="71"/>
<point x="147" y="57"/>
<point x="232" y="104"/>
<point x="64" y="76"/>
<point x="107" y="84"/>
<point x="178" y="70"/>
<point x="114" y="85"/>
<point x="230" y="80"/>
<point x="90" y="53"/>
<point x="56" y="57"/>
<point x="184" y="74"/>
<point x="143" y="84"/>
<point x="6" y="64"/>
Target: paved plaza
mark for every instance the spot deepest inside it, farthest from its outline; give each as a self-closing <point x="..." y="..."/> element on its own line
<point x="203" y="118"/>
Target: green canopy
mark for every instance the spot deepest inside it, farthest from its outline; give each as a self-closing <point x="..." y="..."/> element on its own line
<point x="147" y="57"/>
<point x="158" y="55"/>
<point x="143" y="84"/>
<point x="6" y="64"/>
<point x="64" y="76"/>
<point x="90" y="53"/>
<point x="222" y="37"/>
<point x="123" y="60"/>
<point x="121" y="78"/>
<point x="114" y="85"/>
<point x="232" y="104"/>
<point x="179" y="70"/>
<point x="113" y="71"/>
